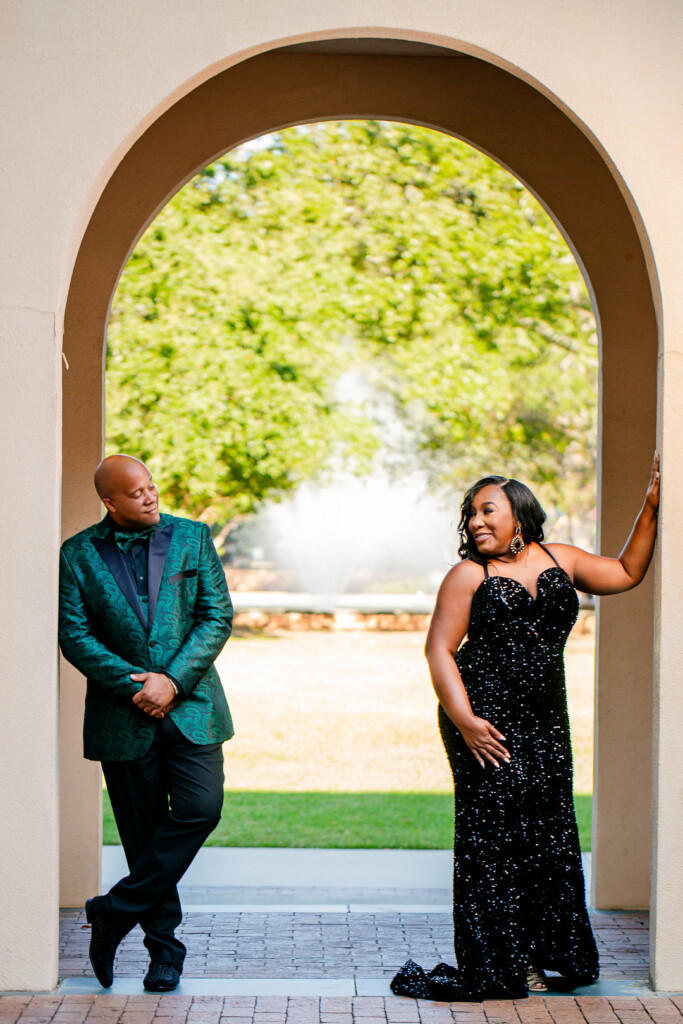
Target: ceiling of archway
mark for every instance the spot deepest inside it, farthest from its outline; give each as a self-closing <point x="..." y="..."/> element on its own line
<point x="372" y="47"/>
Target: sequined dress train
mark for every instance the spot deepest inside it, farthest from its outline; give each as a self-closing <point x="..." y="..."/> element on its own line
<point x="518" y="886"/>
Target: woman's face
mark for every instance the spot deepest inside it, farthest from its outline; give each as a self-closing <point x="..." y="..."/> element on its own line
<point x="491" y="522"/>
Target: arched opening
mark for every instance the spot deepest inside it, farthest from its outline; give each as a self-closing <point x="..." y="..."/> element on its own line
<point x="356" y="257"/>
<point x="519" y="127"/>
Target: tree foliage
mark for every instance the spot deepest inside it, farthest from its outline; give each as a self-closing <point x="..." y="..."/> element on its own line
<point x="350" y="292"/>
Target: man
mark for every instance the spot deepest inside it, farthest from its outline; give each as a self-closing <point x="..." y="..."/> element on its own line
<point x="144" y="613"/>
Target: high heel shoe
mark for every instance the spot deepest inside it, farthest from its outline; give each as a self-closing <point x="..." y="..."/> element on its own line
<point x="536" y="980"/>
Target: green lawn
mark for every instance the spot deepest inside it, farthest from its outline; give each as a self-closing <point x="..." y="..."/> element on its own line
<point x="413" y="821"/>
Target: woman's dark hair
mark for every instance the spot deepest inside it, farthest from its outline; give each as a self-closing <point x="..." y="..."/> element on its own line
<point x="525" y="508"/>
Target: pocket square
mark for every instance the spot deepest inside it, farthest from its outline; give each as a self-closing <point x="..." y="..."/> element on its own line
<point x="186" y="574"/>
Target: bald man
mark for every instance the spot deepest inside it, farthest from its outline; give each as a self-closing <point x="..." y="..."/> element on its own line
<point x="144" y="613"/>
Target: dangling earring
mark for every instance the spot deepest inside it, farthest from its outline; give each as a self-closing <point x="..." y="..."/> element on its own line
<point x="517" y="542"/>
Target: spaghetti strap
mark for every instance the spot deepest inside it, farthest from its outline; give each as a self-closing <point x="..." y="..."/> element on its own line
<point x="551" y="555"/>
<point x="486" y="570"/>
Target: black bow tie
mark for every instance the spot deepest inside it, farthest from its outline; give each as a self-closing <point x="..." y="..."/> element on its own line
<point x="125" y="539"/>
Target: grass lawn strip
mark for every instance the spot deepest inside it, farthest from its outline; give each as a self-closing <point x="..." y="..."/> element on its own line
<point x="371" y="821"/>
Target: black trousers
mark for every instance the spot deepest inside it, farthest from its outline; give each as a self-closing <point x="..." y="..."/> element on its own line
<point x="166" y="804"/>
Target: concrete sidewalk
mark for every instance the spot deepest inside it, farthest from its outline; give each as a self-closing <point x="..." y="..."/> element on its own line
<point x="221" y="875"/>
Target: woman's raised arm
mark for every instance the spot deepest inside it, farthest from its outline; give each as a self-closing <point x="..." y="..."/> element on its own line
<point x="596" y="574"/>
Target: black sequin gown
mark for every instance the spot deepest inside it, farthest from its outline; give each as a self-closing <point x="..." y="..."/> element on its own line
<point x="518" y="885"/>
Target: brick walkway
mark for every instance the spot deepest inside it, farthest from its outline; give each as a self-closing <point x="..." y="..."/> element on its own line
<point x="312" y="943"/>
<point x="174" y="1009"/>
<point x="231" y="943"/>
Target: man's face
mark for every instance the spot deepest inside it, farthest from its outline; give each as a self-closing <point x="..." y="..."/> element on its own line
<point x="134" y="501"/>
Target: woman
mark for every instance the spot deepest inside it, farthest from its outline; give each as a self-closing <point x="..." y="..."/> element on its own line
<point x="518" y="889"/>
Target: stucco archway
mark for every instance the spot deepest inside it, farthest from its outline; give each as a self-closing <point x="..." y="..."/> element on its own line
<point x="517" y="125"/>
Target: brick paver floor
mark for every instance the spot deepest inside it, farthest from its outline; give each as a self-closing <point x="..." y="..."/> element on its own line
<point x="302" y="944"/>
<point x="174" y="1009"/>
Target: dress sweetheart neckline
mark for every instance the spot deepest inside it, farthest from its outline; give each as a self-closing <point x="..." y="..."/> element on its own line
<point x="534" y="597"/>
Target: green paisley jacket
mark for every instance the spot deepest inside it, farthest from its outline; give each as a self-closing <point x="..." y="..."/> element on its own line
<point x="103" y="631"/>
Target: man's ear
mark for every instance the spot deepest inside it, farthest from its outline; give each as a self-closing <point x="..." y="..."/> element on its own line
<point x="109" y="504"/>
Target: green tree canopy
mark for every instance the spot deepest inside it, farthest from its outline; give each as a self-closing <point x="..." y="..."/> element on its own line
<point x="349" y="292"/>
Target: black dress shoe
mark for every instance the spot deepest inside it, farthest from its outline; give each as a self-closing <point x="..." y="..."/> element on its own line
<point x="104" y="941"/>
<point x="162" y="976"/>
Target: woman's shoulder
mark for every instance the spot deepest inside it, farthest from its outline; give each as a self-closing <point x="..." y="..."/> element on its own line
<point x="465" y="575"/>
<point x="564" y="554"/>
<point x="458" y="588"/>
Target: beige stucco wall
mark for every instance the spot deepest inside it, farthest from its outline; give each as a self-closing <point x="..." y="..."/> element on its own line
<point x="29" y="514"/>
<point x="79" y="83"/>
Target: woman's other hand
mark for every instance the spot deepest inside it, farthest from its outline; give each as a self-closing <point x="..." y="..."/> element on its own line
<point x="485" y="742"/>
<point x="652" y="493"/>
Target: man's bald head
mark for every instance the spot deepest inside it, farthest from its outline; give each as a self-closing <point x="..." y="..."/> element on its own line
<point x="127" y="491"/>
<point x="114" y="471"/>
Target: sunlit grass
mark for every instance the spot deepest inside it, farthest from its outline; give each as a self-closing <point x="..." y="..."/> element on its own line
<point x="416" y="821"/>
